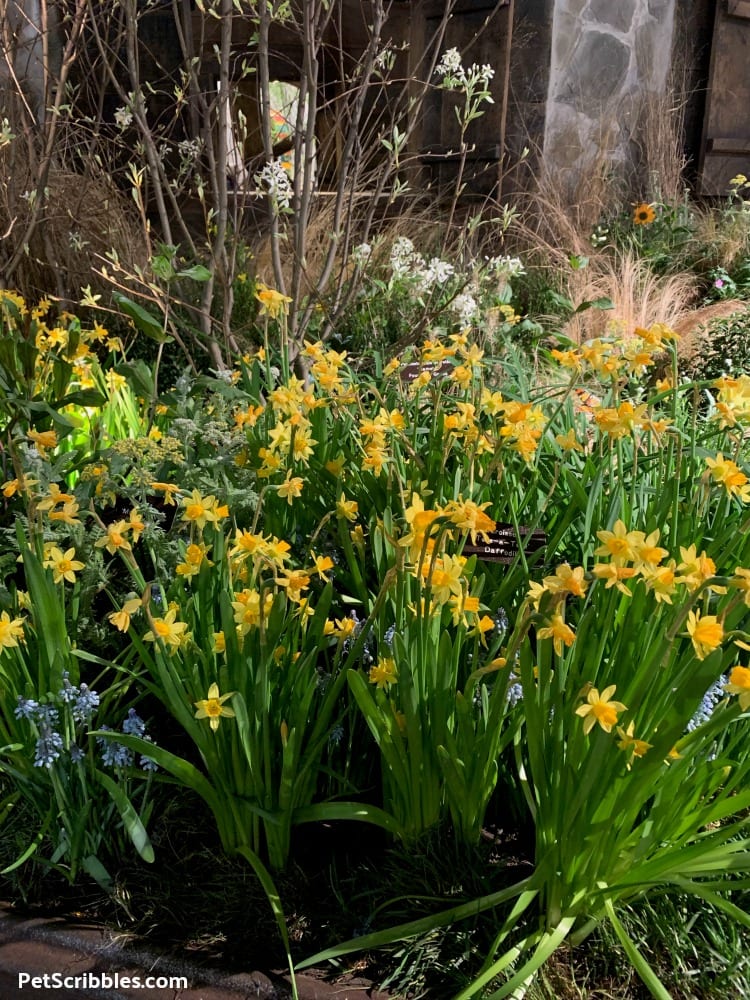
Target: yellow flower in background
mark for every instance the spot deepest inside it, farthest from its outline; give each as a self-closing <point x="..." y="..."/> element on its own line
<point x="11" y="631"/>
<point x="199" y="509"/>
<point x="535" y="594"/>
<point x="336" y="466"/>
<point x="64" y="565"/>
<point x="706" y="633"/>
<point x="294" y="583"/>
<point x="728" y="473"/>
<point x="568" y="440"/>
<point x="342" y="628"/>
<point x="322" y="565"/>
<point x="54" y="497"/>
<point x="647" y="552"/>
<point x="568" y="359"/>
<point x="383" y="674"/>
<point x="195" y="555"/>
<point x="567" y="581"/>
<point x="739" y="683"/>
<point x="115" y="538"/>
<point x="135" y="524"/>
<point x="644" y="214"/>
<point x="290" y="488"/>
<point x="741" y="580"/>
<point x="619" y="543"/>
<point x="445" y="577"/>
<point x="628" y="742"/>
<point x="462" y="606"/>
<point x="661" y="581"/>
<point x="622" y="421"/>
<point x="21" y="485"/>
<point x="600" y="708"/>
<point x="212" y="707"/>
<point x="169" y="490"/>
<point x="347" y="509"/>
<point x="121" y="619"/>
<point x="272" y="303"/>
<point x="558" y="631"/>
<point x="67" y="513"/>
<point x="484" y="625"/>
<point x="170" y="631"/>
<point x="471" y="517"/>
<point x="697" y="569"/>
<point x="357" y="536"/>
<point x="43" y="440"/>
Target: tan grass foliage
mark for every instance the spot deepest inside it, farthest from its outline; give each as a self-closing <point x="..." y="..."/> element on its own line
<point x="639" y="296"/>
<point x="84" y="219"/>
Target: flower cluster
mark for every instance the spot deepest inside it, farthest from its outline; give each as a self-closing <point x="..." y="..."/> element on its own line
<point x="59" y="725"/>
<point x="116" y="754"/>
<point x="273" y="181"/>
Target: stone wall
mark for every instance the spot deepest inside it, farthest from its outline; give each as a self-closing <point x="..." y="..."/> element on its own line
<point x="606" y="56"/>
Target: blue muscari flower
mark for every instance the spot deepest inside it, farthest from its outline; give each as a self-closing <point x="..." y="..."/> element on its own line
<point x="514" y="694"/>
<point x="134" y="724"/>
<point x="27" y="708"/>
<point x="48" y="748"/>
<point x="501" y="620"/>
<point x="146" y="763"/>
<point x="710" y="700"/>
<point x="68" y="692"/>
<point x="388" y="637"/>
<point x="114" y="754"/>
<point x="336" y="735"/>
<point x="85" y="703"/>
<point x="47" y="716"/>
<point x="76" y="753"/>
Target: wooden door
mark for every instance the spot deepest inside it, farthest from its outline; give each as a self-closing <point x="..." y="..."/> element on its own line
<point x="480" y="30"/>
<point x="726" y="131"/>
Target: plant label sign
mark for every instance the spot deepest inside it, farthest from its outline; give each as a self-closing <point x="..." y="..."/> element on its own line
<point x="502" y="543"/>
<point x="437" y="369"/>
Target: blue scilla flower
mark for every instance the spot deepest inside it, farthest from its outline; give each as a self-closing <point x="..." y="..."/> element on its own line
<point x="85" y="703"/>
<point x="26" y="708"/>
<point x="710" y="700"/>
<point x="133" y="725"/>
<point x="48" y="748"/>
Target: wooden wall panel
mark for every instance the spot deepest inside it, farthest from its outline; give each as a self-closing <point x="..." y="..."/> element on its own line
<point x="726" y="132"/>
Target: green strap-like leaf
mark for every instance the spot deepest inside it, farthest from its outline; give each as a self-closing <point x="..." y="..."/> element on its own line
<point x="132" y="821"/>
<point x="272" y="895"/>
<point x="639" y="963"/>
